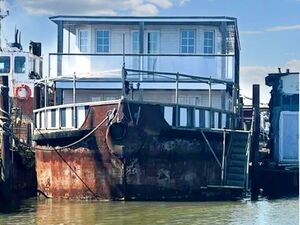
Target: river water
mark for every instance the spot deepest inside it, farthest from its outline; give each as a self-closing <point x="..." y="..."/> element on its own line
<point x="32" y="211"/>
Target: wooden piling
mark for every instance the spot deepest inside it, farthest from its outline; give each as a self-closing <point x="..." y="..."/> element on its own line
<point x="254" y="155"/>
<point x="5" y="145"/>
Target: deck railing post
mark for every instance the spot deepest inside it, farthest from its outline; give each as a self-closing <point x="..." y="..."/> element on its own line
<point x="45" y="103"/>
<point x="74" y="100"/>
<point x="177" y="98"/>
<point x="223" y="156"/>
<point x="210" y="103"/>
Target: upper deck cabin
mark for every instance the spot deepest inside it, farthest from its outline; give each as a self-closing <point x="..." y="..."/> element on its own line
<point x="94" y="49"/>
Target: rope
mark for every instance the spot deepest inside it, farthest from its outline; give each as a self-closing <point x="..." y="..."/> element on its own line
<point x="74" y="143"/>
<point x="81" y="139"/>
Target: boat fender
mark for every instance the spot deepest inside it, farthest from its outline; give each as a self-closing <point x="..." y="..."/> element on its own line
<point x="23" y="92"/>
<point x="117" y="131"/>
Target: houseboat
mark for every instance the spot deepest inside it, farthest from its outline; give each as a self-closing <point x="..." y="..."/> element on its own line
<point x="141" y="108"/>
<point x="279" y="171"/>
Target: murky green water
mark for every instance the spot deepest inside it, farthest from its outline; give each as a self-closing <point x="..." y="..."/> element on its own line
<point x="281" y="211"/>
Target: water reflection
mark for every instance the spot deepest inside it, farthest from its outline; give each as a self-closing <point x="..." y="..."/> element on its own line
<point x="282" y="211"/>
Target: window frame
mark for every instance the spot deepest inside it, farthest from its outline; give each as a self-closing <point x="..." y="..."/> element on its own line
<point x="187" y="45"/>
<point x="213" y="42"/>
<point x="96" y="41"/>
<point x="9" y="65"/>
<point x="79" y="40"/>
<point x="24" y="65"/>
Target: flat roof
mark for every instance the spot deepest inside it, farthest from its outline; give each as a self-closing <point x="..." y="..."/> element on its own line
<point x="153" y="19"/>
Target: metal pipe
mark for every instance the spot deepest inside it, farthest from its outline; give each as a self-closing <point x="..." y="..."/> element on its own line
<point x="177" y="98"/>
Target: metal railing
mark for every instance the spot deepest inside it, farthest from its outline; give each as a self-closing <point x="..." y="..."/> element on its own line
<point x="218" y="66"/>
<point x="61" y="117"/>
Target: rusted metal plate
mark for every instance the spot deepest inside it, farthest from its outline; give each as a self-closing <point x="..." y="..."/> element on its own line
<point x="151" y="161"/>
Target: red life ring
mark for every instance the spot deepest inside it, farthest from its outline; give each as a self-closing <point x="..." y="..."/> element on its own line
<point x="23" y="92"/>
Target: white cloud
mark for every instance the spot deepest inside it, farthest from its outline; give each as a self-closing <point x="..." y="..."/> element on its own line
<point x="251" y="32"/>
<point x="273" y="29"/>
<point x="97" y="7"/>
<point x="183" y="2"/>
<point x="162" y="3"/>
<point x="256" y="75"/>
<point x="146" y="9"/>
<point x="294" y="65"/>
<point x="284" y="28"/>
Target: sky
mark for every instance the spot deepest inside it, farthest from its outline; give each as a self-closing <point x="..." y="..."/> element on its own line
<point x="269" y="29"/>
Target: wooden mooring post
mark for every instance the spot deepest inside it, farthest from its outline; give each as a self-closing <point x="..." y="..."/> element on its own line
<point x="254" y="153"/>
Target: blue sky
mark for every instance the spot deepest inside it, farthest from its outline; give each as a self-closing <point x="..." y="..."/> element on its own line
<point x="269" y="29"/>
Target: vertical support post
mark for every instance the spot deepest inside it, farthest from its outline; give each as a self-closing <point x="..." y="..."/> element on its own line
<point x="254" y="155"/>
<point x="74" y="100"/>
<point x="223" y="156"/>
<point x="141" y="52"/>
<point x="236" y="68"/>
<point x="210" y="103"/>
<point x="123" y="81"/>
<point x="60" y="46"/>
<point x="241" y="112"/>
<point x="233" y="121"/>
<point x="141" y="37"/>
<point x="5" y="145"/>
<point x="177" y="99"/>
<point x="69" y="44"/>
<point x="45" y="102"/>
<point x="123" y="39"/>
<point x="223" y="29"/>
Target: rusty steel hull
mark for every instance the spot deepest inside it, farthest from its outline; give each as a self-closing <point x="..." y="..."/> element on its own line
<point x="138" y="157"/>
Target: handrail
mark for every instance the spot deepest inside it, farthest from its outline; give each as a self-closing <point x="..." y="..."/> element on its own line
<point x="198" y="78"/>
<point x="139" y="54"/>
<point x="71" y="105"/>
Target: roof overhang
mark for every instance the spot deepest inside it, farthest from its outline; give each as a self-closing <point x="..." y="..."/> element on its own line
<point x="138" y="19"/>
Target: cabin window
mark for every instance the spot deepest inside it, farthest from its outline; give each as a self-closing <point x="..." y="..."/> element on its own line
<point x="4" y="64"/>
<point x="83" y="40"/>
<point x="209" y="39"/>
<point x="153" y="42"/>
<point x="102" y="41"/>
<point x="20" y="64"/>
<point x="188" y="39"/>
